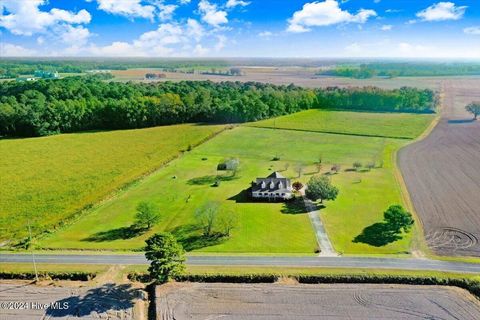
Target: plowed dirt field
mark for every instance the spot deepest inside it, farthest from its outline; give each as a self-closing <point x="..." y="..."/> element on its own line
<point x="442" y="174"/>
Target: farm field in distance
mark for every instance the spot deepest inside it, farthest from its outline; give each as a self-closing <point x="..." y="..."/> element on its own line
<point x="300" y="76"/>
<point x="51" y="178"/>
<point x="186" y="184"/>
<point x="389" y="125"/>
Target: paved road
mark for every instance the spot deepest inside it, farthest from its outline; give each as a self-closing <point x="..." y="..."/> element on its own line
<point x="326" y="248"/>
<point x="335" y="262"/>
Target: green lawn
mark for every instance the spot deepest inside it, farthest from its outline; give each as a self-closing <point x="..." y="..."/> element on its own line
<point x="46" y="180"/>
<point x="185" y="184"/>
<point x="394" y="125"/>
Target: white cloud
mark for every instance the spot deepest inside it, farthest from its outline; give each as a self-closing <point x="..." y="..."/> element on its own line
<point x="168" y="40"/>
<point x="25" y="17"/>
<point x="413" y="50"/>
<point x="472" y="30"/>
<point x="211" y="14"/>
<point x="127" y="8"/>
<point x="199" y="50"/>
<point x="222" y="41"/>
<point x="265" y="34"/>
<point x="12" y="50"/>
<point x="442" y="11"/>
<point x="386" y="27"/>
<point x="77" y="36"/>
<point x="195" y="29"/>
<point x="166" y="11"/>
<point x="325" y="13"/>
<point x="234" y="3"/>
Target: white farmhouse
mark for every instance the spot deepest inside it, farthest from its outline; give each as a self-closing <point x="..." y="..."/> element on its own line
<point x="274" y="187"/>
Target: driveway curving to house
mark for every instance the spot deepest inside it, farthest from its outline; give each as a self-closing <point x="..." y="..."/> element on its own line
<point x="442" y="174"/>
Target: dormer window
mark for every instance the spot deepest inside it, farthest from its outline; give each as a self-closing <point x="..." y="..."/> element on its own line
<point x="263" y="185"/>
<point x="280" y="185"/>
<point x="272" y="185"/>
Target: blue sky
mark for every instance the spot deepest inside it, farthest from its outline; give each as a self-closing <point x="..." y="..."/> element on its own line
<point x="241" y="28"/>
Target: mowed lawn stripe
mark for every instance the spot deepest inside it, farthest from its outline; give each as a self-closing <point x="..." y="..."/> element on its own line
<point x="368" y="124"/>
<point x="46" y="180"/>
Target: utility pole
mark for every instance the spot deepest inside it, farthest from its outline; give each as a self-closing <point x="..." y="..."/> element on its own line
<point x="33" y="254"/>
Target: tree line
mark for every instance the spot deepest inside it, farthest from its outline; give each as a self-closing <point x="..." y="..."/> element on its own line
<point x="391" y="70"/>
<point x="74" y="104"/>
<point x="12" y="68"/>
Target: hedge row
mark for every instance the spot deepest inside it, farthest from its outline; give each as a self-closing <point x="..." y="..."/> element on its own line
<point x="74" y="276"/>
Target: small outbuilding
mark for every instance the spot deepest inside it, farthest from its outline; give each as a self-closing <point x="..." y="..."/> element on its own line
<point x="274" y="187"/>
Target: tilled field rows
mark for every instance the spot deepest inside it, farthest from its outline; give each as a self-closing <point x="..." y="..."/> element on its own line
<point x="275" y="301"/>
<point x="442" y="174"/>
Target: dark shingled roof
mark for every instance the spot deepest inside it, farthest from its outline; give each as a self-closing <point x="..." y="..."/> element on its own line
<point x="273" y="183"/>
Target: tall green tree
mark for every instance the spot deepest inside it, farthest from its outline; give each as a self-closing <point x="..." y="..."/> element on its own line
<point x="321" y="188"/>
<point x="207" y="216"/>
<point x="474" y="109"/>
<point x="166" y="256"/>
<point x="398" y="218"/>
<point x="147" y="215"/>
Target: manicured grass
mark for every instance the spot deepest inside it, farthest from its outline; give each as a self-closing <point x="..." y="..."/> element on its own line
<point x="364" y="196"/>
<point x="185" y="184"/>
<point x="47" y="267"/>
<point x="46" y="180"/>
<point x="394" y="125"/>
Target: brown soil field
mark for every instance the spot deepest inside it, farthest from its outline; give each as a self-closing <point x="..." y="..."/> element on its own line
<point x="442" y="174"/>
<point x="23" y="301"/>
<point x="284" y="76"/>
<point x="338" y="301"/>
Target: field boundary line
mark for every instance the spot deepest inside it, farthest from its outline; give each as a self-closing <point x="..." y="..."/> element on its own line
<point x="87" y="209"/>
<point x="418" y="241"/>
<point x="331" y="132"/>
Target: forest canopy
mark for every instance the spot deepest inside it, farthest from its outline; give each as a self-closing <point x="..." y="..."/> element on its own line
<point x="73" y="104"/>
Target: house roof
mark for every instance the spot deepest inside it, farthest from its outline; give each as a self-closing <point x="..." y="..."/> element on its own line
<point x="273" y="183"/>
<point x="276" y="175"/>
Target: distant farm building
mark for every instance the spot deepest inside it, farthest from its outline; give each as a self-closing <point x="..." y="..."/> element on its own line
<point x="25" y="79"/>
<point x="155" y="76"/>
<point x="46" y="74"/>
<point x="274" y="187"/>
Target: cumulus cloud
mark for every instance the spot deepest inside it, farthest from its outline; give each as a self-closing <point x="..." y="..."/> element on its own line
<point x="169" y="39"/>
<point x="77" y="36"/>
<point x="166" y="11"/>
<point x="326" y="13"/>
<point x="235" y="3"/>
<point x="211" y="14"/>
<point x="12" y="50"/>
<point x="442" y="11"/>
<point x="26" y="18"/>
<point x="195" y="29"/>
<point x="472" y="30"/>
<point x="127" y="8"/>
<point x="386" y="27"/>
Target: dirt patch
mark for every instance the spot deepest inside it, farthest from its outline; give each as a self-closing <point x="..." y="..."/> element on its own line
<point x="442" y="174"/>
<point x="273" y="301"/>
<point x="24" y="301"/>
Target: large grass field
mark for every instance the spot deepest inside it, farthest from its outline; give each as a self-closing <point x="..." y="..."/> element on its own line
<point x="392" y="125"/>
<point x="185" y="184"/>
<point x="46" y="180"/>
